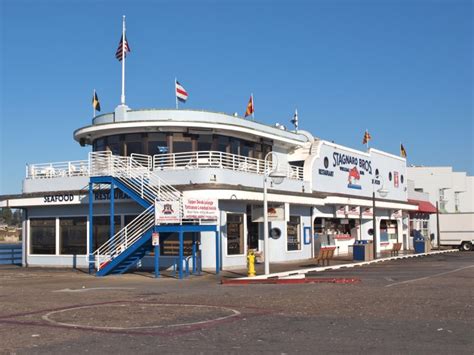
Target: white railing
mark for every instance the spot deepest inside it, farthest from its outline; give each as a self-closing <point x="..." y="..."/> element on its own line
<point x="220" y="160"/>
<point x="134" y="175"/>
<point x="171" y="161"/>
<point x="125" y="237"/>
<point x="61" y="169"/>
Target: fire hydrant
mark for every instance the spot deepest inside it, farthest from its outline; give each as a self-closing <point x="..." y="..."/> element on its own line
<point x="251" y="264"/>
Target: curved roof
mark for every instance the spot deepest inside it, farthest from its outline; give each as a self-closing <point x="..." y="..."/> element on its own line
<point x="154" y="120"/>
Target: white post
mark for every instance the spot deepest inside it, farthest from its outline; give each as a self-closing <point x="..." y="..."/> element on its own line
<point x="175" y="91"/>
<point x="122" y="98"/>
<point x="265" y="226"/>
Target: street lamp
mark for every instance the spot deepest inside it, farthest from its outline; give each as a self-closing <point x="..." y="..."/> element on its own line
<point x="277" y="178"/>
<point x="383" y="193"/>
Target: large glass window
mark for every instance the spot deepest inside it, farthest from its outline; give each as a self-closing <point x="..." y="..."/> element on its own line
<point x="115" y="145"/>
<point x="293" y="233"/>
<point x="182" y="143"/>
<point x="222" y="144"/>
<point x="73" y="235"/>
<point x="235" y="234"/>
<point x="157" y="143"/>
<point x="133" y="143"/>
<point x="101" y="226"/>
<point x="204" y="142"/>
<point x="43" y="235"/>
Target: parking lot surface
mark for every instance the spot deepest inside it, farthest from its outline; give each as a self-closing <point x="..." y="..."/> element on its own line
<point x="421" y="305"/>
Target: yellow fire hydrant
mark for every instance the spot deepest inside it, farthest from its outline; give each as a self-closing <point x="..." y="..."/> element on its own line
<point x="251" y="263"/>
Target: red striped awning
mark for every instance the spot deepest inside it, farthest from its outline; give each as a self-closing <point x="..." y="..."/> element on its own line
<point x="424" y="206"/>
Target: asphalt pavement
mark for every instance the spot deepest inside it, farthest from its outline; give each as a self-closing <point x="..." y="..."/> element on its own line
<point x="412" y="306"/>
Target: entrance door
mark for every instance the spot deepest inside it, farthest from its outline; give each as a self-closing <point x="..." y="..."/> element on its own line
<point x="252" y="231"/>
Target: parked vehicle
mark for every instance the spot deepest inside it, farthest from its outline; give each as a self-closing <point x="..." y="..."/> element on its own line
<point x="457" y="230"/>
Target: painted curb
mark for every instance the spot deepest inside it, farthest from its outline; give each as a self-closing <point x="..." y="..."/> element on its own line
<point x="280" y="281"/>
<point x="342" y="266"/>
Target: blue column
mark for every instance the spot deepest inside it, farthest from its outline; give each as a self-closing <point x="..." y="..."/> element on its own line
<point x="112" y="212"/>
<point x="91" y="228"/>
<point x="180" y="253"/>
<point x="218" y="256"/>
<point x="194" y="253"/>
<point x="157" y="261"/>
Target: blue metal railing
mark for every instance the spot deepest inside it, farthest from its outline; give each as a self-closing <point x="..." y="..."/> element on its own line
<point x="10" y="254"/>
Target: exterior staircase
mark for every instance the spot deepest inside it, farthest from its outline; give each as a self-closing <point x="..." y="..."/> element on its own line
<point x="134" y="176"/>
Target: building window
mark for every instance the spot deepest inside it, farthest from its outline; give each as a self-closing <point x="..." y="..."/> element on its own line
<point x="73" y="235"/>
<point x="204" y="142"/>
<point x="390" y="176"/>
<point x="101" y="227"/>
<point x="293" y="233"/>
<point x="456" y="202"/>
<point x="442" y="201"/>
<point x="235" y="234"/>
<point x="182" y="143"/>
<point x="43" y="235"/>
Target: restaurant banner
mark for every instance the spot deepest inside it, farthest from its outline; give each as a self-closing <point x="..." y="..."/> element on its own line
<point x="167" y="212"/>
<point x="367" y="212"/>
<point x="341" y="211"/>
<point x="354" y="212"/>
<point x="275" y="213"/>
<point x="200" y="208"/>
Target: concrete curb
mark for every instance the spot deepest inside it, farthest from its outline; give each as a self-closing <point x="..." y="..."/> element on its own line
<point x="288" y="281"/>
<point x="336" y="267"/>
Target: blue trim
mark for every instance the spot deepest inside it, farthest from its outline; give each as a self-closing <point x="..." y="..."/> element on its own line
<point x="112" y="210"/>
<point x="110" y="180"/>
<point x="91" y="227"/>
<point x="157" y="261"/>
<point x="218" y="256"/>
<point x="306" y="235"/>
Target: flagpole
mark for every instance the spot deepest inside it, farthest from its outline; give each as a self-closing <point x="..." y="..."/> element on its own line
<point x="93" y="104"/>
<point x="253" y="107"/>
<point x="175" y="93"/>
<point x="122" y="98"/>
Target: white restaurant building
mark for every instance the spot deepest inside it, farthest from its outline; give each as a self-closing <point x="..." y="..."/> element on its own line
<point x="214" y="158"/>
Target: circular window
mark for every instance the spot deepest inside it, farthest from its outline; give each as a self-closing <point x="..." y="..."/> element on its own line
<point x="402" y="179"/>
<point x="390" y="176"/>
<point x="275" y="233"/>
<point x="326" y="162"/>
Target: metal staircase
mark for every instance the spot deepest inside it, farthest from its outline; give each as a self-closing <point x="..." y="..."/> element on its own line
<point x="133" y="175"/>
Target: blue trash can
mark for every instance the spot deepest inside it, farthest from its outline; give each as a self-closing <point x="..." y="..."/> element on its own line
<point x="419" y="245"/>
<point x="362" y="250"/>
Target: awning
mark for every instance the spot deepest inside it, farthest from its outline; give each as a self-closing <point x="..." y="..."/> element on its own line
<point x="424" y="206"/>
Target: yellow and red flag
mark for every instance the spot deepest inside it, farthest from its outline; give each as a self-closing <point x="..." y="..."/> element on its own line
<point x="367" y="137"/>
<point x="403" y="152"/>
<point x="250" y="108"/>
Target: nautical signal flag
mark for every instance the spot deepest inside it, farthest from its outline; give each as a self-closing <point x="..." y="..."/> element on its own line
<point x="367" y="137"/>
<point x="95" y="102"/>
<point x="122" y="49"/>
<point x="250" y="109"/>
<point x="294" y="121"/>
<point x="181" y="93"/>
<point x="403" y="152"/>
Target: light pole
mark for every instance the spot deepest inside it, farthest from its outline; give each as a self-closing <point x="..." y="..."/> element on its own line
<point x="277" y="178"/>
<point x="383" y="193"/>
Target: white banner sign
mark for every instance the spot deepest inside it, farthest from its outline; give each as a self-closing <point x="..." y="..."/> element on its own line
<point x="367" y="212"/>
<point x="167" y="212"/>
<point x="200" y="208"/>
<point x="341" y="211"/>
<point x="396" y="214"/>
<point x="354" y="211"/>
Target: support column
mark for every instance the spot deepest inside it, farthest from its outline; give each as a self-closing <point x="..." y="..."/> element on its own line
<point x="112" y="210"/>
<point x="180" y="253"/>
<point x="218" y="255"/>
<point x="91" y="227"/>
<point x="194" y="253"/>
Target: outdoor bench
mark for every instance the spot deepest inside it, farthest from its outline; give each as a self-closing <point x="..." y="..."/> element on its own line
<point x="325" y="254"/>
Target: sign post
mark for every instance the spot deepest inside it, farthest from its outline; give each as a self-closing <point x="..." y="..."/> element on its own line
<point x="155" y="241"/>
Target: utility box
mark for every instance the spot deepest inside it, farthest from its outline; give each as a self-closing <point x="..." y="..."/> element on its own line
<point x="363" y="250"/>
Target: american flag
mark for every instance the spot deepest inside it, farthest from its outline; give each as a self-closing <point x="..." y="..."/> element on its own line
<point x="181" y="93"/>
<point x="122" y="49"/>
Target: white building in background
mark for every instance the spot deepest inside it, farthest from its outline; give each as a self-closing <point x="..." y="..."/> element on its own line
<point x="454" y="191"/>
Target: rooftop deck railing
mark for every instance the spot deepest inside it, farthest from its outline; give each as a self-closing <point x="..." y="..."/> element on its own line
<point x="171" y="161"/>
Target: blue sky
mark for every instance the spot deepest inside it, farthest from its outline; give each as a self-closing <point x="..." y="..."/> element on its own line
<point x="402" y="69"/>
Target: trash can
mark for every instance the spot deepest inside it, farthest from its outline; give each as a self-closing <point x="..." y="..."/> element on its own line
<point x="363" y="250"/>
<point x="422" y="245"/>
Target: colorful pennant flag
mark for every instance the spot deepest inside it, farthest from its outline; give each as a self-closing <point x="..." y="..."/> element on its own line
<point x="122" y="49"/>
<point x="95" y="102"/>
<point x="250" y="109"/>
<point x="367" y="137"/>
<point x="403" y="152"/>
<point x="181" y="93"/>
